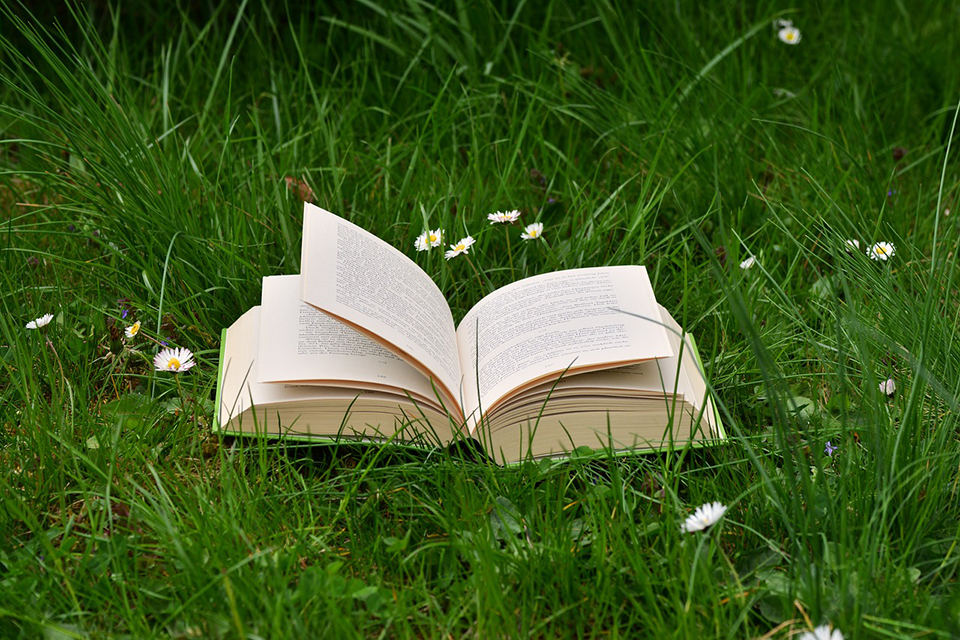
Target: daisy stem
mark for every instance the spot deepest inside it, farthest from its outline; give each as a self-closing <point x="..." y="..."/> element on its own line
<point x="513" y="276"/>
<point x="445" y="264"/>
<point x="693" y="569"/>
<point x="56" y="355"/>
<point x="553" y="256"/>
<point x="479" y="279"/>
<point x="176" y="378"/>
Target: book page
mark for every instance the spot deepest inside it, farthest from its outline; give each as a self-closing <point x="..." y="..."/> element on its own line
<point x="248" y="406"/>
<point x="236" y="367"/>
<point x="240" y="389"/>
<point x="300" y="343"/>
<point x="572" y="321"/>
<point x="356" y="277"/>
<point x="661" y="378"/>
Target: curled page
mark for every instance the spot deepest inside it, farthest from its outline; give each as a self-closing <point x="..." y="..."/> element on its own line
<point x="361" y="280"/>
<point x="301" y="344"/>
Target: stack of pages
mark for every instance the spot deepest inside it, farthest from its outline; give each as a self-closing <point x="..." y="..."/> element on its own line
<point x="362" y="345"/>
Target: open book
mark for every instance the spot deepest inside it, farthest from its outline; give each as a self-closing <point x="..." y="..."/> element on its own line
<point x="362" y="344"/>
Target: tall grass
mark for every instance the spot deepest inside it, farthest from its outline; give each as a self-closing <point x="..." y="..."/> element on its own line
<point x="158" y="177"/>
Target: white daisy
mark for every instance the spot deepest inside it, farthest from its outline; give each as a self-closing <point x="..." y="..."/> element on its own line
<point x="705" y="516"/>
<point x="503" y="217"/>
<point x="888" y="387"/>
<point x="532" y="231"/>
<point x="749" y="262"/>
<point x="853" y="245"/>
<point x="42" y="321"/>
<point x="881" y="251"/>
<point x="789" y="34"/>
<point x="783" y="22"/>
<point x="822" y="632"/>
<point x="132" y="330"/>
<point x="175" y="360"/>
<point x="429" y="239"/>
<point x="461" y="247"/>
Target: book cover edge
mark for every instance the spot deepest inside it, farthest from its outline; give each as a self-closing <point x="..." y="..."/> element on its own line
<point x="220" y="372"/>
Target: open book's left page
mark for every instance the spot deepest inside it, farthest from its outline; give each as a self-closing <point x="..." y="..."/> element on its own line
<point x="307" y="411"/>
<point x="354" y="276"/>
<point x="301" y="344"/>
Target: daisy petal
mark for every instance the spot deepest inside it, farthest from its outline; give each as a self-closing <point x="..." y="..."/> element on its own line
<point x="177" y="360"/>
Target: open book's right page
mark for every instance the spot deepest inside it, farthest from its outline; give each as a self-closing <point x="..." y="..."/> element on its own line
<point x="568" y="321"/>
<point x="665" y="377"/>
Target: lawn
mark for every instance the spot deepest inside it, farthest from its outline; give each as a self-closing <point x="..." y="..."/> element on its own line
<point x="789" y="192"/>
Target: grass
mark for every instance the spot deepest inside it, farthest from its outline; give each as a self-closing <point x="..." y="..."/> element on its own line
<point x="154" y="159"/>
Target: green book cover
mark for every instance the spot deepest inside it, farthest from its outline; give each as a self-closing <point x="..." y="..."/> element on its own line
<point x="220" y="366"/>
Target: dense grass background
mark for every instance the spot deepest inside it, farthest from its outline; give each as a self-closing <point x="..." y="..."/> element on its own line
<point x="154" y="161"/>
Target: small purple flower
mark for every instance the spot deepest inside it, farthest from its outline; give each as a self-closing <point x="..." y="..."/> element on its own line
<point x="33" y="261"/>
<point x="165" y="343"/>
<point x="124" y="314"/>
<point x="550" y="200"/>
<point x="829" y="449"/>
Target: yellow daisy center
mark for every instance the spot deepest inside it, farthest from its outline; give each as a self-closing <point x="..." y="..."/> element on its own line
<point x="791" y="35"/>
<point x="173" y="363"/>
<point x="433" y="238"/>
<point x="134" y="329"/>
<point x="881" y="250"/>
